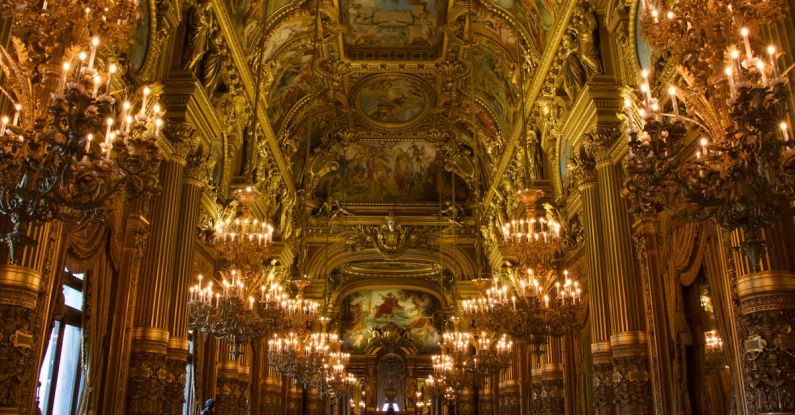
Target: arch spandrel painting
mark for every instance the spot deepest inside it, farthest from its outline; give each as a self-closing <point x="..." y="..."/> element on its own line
<point x="392" y="24"/>
<point x="416" y="312"/>
<point x="395" y="171"/>
<point x="293" y="82"/>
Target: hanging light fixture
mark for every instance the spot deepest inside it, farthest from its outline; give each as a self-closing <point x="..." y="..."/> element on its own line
<point x="75" y="138"/>
<point x="303" y="355"/>
<point x="243" y="239"/>
<point x="532" y="308"/>
<point x="721" y="149"/>
<point x="242" y="307"/>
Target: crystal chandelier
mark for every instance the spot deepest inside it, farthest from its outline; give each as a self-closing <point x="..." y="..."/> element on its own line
<point x="243" y="239"/>
<point x="75" y="138"/>
<point x="243" y="307"/>
<point x="302" y="355"/>
<point x="338" y="382"/>
<point x="532" y="238"/>
<point x="532" y="309"/>
<point x="718" y="147"/>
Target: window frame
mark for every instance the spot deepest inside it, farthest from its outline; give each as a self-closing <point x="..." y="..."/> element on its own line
<point x="71" y="317"/>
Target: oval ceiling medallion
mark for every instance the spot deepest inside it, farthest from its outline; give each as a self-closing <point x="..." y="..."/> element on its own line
<point x="392" y="101"/>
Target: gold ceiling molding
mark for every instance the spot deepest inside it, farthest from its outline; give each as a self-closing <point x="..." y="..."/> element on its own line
<point x="247" y="81"/>
<point x="320" y="262"/>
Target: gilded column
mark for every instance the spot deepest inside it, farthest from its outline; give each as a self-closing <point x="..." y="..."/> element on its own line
<point x="295" y="400"/>
<point x="27" y="294"/>
<point x="314" y="403"/>
<point x="196" y="175"/>
<point x="552" y="378"/>
<point x="465" y="402"/>
<point x="232" y="389"/>
<point x="536" y="401"/>
<point x="271" y="402"/>
<point x="583" y="174"/>
<point x="627" y="317"/>
<point x="766" y="321"/>
<point x="509" y="399"/>
<point x="486" y="397"/>
<point x="148" y="371"/>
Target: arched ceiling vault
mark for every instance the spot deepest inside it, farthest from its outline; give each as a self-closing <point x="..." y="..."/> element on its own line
<point x="392" y="117"/>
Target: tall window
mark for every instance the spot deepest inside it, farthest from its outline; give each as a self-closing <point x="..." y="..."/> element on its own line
<point x="60" y="378"/>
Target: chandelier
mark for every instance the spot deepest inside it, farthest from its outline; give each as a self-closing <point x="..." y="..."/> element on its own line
<point x="718" y="147"/>
<point x="243" y="307"/>
<point x="303" y="356"/>
<point x="338" y="382"/>
<point x="243" y="239"/>
<point x="532" y="238"/>
<point x="532" y="309"/>
<point x="75" y="138"/>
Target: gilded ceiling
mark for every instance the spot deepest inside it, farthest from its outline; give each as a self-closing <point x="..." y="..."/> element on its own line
<point x="372" y="108"/>
<point x="411" y="81"/>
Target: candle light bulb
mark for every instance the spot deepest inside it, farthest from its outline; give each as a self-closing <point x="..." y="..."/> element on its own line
<point x="784" y="127"/>
<point x="670" y="15"/>
<point x="744" y="32"/>
<point x="672" y="90"/>
<point x="771" y="50"/>
<point x="627" y="103"/>
<point x="735" y="53"/>
<point x="82" y="56"/>
<point x="644" y="73"/>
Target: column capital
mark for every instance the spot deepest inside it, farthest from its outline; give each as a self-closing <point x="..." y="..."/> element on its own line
<point x="181" y="139"/>
<point x="199" y="167"/>
<point x="582" y="169"/>
<point x="599" y="141"/>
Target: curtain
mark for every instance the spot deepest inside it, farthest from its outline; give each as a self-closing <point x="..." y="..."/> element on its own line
<point x="92" y="250"/>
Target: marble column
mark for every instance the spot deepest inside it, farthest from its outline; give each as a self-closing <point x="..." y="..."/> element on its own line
<point x="583" y="173"/>
<point x="630" y="376"/>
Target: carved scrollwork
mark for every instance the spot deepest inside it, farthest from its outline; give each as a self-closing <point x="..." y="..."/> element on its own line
<point x="146" y="387"/>
<point x="631" y="384"/>
<point x="603" y="388"/>
<point x="16" y="352"/>
<point x="768" y="353"/>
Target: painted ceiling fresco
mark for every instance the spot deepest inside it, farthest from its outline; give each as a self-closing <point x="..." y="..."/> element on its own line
<point x="391" y="101"/>
<point x="398" y="171"/>
<point x="492" y="82"/>
<point x="418" y="312"/>
<point x="380" y="74"/>
<point x="370" y="25"/>
<point x="535" y="16"/>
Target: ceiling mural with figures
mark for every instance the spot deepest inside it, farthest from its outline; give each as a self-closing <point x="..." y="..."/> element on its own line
<point x="397" y="171"/>
<point x="415" y="313"/>
<point x="407" y="26"/>
<point x="391" y="101"/>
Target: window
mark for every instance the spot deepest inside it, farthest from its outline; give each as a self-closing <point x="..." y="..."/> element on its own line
<point x="60" y="379"/>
